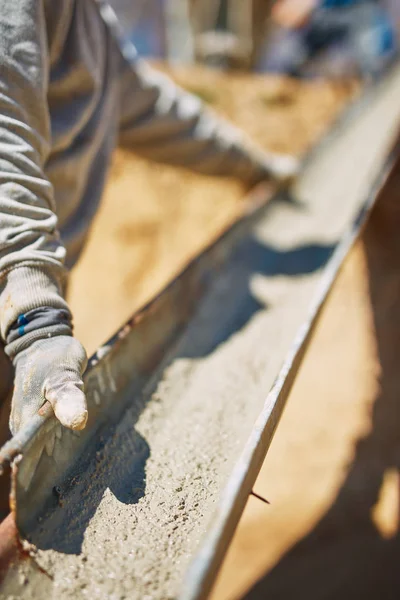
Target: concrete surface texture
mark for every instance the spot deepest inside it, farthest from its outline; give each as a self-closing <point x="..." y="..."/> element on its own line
<point x="332" y="473"/>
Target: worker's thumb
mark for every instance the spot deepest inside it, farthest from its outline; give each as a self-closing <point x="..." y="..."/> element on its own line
<point x="50" y="369"/>
<point x="67" y="399"/>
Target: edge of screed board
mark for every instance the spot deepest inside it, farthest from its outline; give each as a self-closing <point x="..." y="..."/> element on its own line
<point x="204" y="568"/>
<point x="125" y="364"/>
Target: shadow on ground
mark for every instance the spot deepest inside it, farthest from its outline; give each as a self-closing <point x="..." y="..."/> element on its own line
<point x="345" y="556"/>
<point x="118" y="463"/>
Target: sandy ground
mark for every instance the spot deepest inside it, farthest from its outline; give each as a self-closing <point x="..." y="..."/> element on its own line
<point x="332" y="474"/>
<point x="153" y="219"/>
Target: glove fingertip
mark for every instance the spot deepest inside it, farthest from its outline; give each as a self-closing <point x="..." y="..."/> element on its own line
<point x="76" y="421"/>
<point x="71" y="410"/>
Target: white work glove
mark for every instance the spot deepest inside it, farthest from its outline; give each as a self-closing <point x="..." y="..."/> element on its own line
<point x="50" y="369"/>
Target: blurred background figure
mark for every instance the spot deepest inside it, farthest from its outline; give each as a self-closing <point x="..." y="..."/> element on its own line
<point x="332" y="37"/>
<point x="229" y="33"/>
<point x="221" y="33"/>
<point x="297" y="37"/>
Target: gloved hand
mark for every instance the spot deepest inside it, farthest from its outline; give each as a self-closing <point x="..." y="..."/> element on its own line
<point x="50" y="369"/>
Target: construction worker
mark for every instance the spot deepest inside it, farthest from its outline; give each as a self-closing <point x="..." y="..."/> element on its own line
<point x="67" y="98"/>
<point x="361" y="31"/>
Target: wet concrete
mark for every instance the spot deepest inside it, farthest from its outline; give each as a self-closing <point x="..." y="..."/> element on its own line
<point x="134" y="519"/>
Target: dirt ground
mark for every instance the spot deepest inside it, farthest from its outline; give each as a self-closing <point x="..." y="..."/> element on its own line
<point x="153" y="219"/>
<point x="331" y="529"/>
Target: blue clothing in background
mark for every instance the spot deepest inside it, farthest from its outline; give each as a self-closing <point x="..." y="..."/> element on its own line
<point x="362" y="30"/>
<point x="339" y="3"/>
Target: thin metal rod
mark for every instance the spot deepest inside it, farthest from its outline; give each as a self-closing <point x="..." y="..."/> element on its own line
<point x="18" y="442"/>
<point x="253" y="493"/>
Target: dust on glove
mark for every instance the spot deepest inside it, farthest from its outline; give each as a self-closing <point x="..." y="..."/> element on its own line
<point x="50" y="369"/>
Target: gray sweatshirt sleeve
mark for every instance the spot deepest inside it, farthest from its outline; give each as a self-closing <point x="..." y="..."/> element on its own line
<point x="166" y="124"/>
<point x="31" y="255"/>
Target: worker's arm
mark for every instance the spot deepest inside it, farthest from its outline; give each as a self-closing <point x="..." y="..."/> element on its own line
<point x="35" y="322"/>
<point x="164" y="123"/>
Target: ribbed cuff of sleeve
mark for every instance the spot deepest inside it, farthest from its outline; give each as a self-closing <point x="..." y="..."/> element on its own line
<point x="28" y="339"/>
<point x="26" y="288"/>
